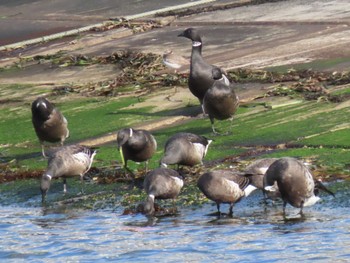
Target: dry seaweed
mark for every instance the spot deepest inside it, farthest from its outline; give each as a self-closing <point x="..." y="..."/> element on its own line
<point x="135" y="26"/>
<point x="213" y="7"/>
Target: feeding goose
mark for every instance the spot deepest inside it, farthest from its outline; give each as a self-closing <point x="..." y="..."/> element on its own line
<point x="295" y="183"/>
<point x="49" y="123"/>
<point x="65" y="162"/>
<point x="135" y="145"/>
<point x="161" y="183"/>
<point x="185" y="149"/>
<point x="256" y="172"/>
<point x="224" y="186"/>
<point x="257" y="169"/>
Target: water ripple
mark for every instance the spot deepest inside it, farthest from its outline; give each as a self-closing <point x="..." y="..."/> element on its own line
<point x="254" y="234"/>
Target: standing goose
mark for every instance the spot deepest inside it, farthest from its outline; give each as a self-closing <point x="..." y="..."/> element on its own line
<point x="224" y="186"/>
<point x="185" y="149"/>
<point x="200" y="78"/>
<point x="135" y="145"/>
<point x="49" y="123"/>
<point x="65" y="162"/>
<point x="295" y="183"/>
<point x="161" y="183"/>
<point x="220" y="101"/>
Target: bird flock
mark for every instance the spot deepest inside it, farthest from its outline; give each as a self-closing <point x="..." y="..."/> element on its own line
<point x="285" y="178"/>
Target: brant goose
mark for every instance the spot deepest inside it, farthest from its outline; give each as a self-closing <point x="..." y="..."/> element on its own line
<point x="256" y="172"/>
<point x="220" y="101"/>
<point x="174" y="61"/>
<point x="257" y="169"/>
<point x="65" y="162"/>
<point x="185" y="149"/>
<point x="135" y="145"/>
<point x="295" y="183"/>
<point x="224" y="186"/>
<point x="49" y="123"/>
<point x="161" y="183"/>
<point x="200" y="78"/>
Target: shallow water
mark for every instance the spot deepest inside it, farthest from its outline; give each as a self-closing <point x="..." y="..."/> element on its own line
<point x="255" y="233"/>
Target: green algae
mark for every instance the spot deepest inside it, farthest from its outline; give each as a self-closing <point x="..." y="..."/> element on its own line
<point x="317" y="130"/>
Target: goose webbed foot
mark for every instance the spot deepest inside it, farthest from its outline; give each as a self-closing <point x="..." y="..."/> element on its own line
<point x="301" y="210"/>
<point x="217" y="214"/>
<point x="218" y="133"/>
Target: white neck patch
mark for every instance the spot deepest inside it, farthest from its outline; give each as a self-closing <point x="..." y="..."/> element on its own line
<point x="41" y="103"/>
<point x="271" y="188"/>
<point x="178" y="181"/>
<point x="206" y="147"/>
<point x="48" y="176"/>
<point x="196" y="43"/>
<point x="311" y="200"/>
<point x="131" y="132"/>
<point x="263" y="170"/>
<point x="249" y="189"/>
<point x="227" y="82"/>
<point x="200" y="149"/>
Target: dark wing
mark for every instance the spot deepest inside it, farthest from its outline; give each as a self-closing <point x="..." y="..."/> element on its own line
<point x="239" y="179"/>
<point x="194" y="138"/>
<point x="74" y="149"/>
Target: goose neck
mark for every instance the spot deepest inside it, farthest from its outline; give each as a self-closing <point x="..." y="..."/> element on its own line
<point x="196" y="48"/>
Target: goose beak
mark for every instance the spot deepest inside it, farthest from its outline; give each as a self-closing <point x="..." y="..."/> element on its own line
<point x="181" y="34"/>
<point x="121" y="141"/>
<point x="321" y="186"/>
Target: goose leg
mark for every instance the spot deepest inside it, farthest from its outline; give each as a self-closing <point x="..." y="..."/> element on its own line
<point x="43" y="149"/>
<point x="284" y="207"/>
<point x="174" y="207"/>
<point x="203" y="110"/>
<point x="265" y="197"/>
<point x="146" y="166"/>
<point x="213" y="127"/>
<point x="301" y="209"/>
<point x="230" y="213"/>
<point x="82" y="183"/>
<point x="64" y="185"/>
<point x="126" y="169"/>
<point x="231" y="125"/>
<point x="218" y="207"/>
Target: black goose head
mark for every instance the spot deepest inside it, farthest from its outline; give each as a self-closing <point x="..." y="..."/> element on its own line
<point x="320" y="186"/>
<point x="148" y="208"/>
<point x="44" y="186"/>
<point x="123" y="136"/>
<point x="42" y="108"/>
<point x="192" y="34"/>
<point x="216" y="73"/>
